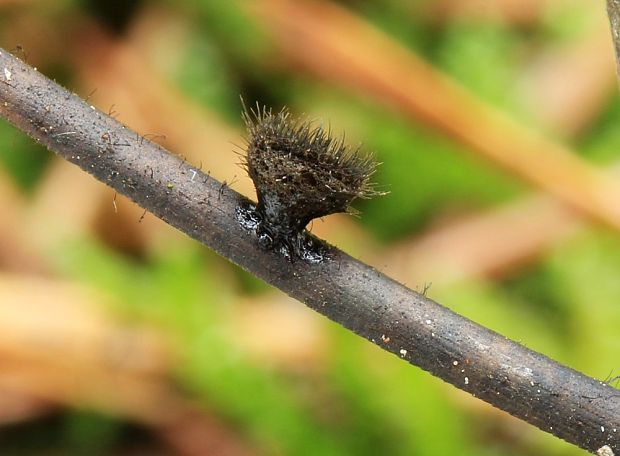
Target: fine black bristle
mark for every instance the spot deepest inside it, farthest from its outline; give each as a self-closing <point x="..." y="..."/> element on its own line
<point x="301" y="172"/>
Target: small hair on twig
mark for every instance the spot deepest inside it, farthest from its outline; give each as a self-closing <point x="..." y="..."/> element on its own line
<point x="301" y="172"/>
<point x="151" y="137"/>
<point x="111" y="112"/>
<point x="19" y="49"/>
<point x="142" y="216"/>
<point x="92" y="92"/>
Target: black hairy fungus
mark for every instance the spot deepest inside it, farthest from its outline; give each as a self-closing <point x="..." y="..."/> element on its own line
<point x="301" y="172"/>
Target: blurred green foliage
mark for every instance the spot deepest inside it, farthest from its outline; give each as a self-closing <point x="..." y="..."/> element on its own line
<point x="23" y="160"/>
<point x="362" y="401"/>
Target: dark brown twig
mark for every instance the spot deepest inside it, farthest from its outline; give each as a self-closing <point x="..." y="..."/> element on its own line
<point x="524" y="383"/>
<point x="613" y="11"/>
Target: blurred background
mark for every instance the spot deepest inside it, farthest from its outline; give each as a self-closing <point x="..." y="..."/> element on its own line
<point x="121" y="336"/>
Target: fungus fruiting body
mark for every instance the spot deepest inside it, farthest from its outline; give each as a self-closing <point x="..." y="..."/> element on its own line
<point x="300" y="172"/>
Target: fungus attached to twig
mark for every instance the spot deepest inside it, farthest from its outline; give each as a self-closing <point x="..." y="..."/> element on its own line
<point x="301" y="172"/>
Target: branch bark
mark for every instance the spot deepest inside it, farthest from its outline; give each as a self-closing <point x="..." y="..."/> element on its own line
<point x="526" y="384"/>
<point x="613" y="11"/>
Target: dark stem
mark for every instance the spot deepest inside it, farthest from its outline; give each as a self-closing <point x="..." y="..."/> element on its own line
<point x="613" y="12"/>
<point x="524" y="383"/>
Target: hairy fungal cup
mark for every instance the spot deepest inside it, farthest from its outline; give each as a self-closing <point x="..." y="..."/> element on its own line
<point x="300" y="172"/>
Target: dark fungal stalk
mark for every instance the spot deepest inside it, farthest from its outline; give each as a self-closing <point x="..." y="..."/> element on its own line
<point x="301" y="172"/>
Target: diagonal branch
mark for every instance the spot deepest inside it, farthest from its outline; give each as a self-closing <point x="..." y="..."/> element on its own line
<point x="613" y="11"/>
<point x="509" y="376"/>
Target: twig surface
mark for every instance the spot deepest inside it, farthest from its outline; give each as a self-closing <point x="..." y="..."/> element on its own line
<point x="613" y="11"/>
<point x="524" y="383"/>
